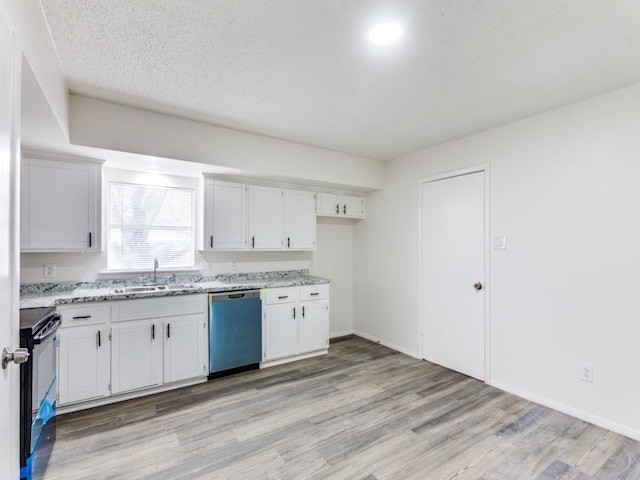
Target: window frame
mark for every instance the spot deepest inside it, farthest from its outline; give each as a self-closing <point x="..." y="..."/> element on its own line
<point x="151" y="180"/>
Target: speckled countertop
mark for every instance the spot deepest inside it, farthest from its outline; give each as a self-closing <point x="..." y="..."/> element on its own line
<point x="50" y="294"/>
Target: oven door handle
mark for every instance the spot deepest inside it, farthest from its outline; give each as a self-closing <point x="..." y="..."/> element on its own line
<point x="38" y="339"/>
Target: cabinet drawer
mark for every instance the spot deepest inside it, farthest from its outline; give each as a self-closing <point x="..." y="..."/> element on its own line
<point x="314" y="292"/>
<point x="280" y="295"/>
<point x="173" y="305"/>
<point x="82" y="314"/>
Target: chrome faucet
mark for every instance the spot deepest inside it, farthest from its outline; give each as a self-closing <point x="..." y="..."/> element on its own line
<point x="155" y="271"/>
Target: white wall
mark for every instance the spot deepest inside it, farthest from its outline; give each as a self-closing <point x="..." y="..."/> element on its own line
<point x="101" y="124"/>
<point x="565" y="190"/>
<point x="38" y="49"/>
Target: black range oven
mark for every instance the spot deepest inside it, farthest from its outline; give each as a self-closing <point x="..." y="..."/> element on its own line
<point x="38" y="385"/>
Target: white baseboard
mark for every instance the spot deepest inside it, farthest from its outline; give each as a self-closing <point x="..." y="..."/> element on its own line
<point x="569" y="410"/>
<point x="280" y="361"/>
<point x="344" y="333"/>
<point x="393" y="346"/>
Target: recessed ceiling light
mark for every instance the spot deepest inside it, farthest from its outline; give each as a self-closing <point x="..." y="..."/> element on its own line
<point x="385" y="33"/>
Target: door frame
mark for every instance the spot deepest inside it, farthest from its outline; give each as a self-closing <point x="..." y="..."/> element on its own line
<point x="485" y="169"/>
<point x="11" y="445"/>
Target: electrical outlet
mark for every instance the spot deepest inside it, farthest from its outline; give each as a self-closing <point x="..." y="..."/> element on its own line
<point x="234" y="264"/>
<point x="586" y="373"/>
<point x="49" y="270"/>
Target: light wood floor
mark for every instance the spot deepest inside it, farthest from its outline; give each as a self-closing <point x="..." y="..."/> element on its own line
<point x="362" y="412"/>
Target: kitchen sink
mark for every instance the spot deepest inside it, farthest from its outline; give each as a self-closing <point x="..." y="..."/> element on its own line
<point x="138" y="289"/>
<point x="153" y="288"/>
<point x="176" y="286"/>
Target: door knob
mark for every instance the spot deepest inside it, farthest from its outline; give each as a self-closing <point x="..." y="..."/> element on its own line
<point x="20" y="355"/>
<point x="477" y="286"/>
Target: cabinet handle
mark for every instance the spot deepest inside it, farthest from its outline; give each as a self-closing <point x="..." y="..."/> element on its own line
<point x="81" y="317"/>
<point x="294" y="312"/>
<point x="168" y="330"/>
<point x="211" y="242"/>
<point x="99" y="339"/>
<point x="303" y="312"/>
<point x="153" y="332"/>
<point x="288" y="242"/>
<point x="90" y="240"/>
<point x="337" y="209"/>
<point x="253" y="242"/>
<point x="283" y="297"/>
<point x="344" y="209"/>
<point x="314" y="294"/>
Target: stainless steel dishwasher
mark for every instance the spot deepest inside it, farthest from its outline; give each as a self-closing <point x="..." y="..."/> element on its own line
<point x="235" y="332"/>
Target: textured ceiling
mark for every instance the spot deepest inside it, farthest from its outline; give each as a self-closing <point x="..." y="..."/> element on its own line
<point x="302" y="70"/>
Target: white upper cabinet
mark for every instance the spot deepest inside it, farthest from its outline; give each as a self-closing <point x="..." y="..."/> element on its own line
<point x="265" y="218"/>
<point x="257" y="217"/>
<point x="59" y="207"/>
<point x="225" y="215"/>
<point x="339" y="205"/>
<point x="299" y="220"/>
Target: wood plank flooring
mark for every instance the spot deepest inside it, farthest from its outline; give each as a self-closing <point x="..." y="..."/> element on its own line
<point x="362" y="412"/>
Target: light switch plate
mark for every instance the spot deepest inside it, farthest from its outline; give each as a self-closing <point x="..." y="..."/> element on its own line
<point x="500" y="242"/>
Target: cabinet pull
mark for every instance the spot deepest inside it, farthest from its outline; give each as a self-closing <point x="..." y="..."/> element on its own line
<point x="288" y="242"/>
<point x="90" y="239"/>
<point x="211" y="242"/>
<point x="253" y="242"/>
<point x="99" y="339"/>
<point x="153" y="332"/>
<point x="168" y="330"/>
<point x="81" y="317"/>
<point x="282" y="297"/>
<point x="294" y="312"/>
<point x="344" y="209"/>
<point x="337" y="209"/>
<point x="314" y="294"/>
<point x="303" y="312"/>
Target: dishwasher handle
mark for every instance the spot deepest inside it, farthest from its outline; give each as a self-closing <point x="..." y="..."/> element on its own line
<point x="245" y="294"/>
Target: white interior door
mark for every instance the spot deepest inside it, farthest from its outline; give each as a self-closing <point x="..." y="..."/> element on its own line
<point x="9" y="385"/>
<point x="452" y="267"/>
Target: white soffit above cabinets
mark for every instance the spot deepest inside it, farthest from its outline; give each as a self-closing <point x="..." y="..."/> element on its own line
<point x="304" y="70"/>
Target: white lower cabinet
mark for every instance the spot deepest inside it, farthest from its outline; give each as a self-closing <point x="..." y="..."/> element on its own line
<point x="281" y="336"/>
<point x="136" y="355"/>
<point x="112" y="348"/>
<point x="83" y="354"/>
<point x="295" y="321"/>
<point x="185" y="347"/>
<point x="314" y="326"/>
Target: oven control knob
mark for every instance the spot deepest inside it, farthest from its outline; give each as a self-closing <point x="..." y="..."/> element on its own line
<point x="20" y="355"/>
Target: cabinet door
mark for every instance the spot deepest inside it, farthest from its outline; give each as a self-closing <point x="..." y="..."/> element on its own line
<point x="226" y="215"/>
<point x="299" y="220"/>
<point x="136" y="355"/>
<point x="185" y="347"/>
<point x="59" y="206"/>
<point x="83" y="368"/>
<point x="265" y="218"/>
<point x="327" y="204"/>
<point x="281" y="336"/>
<point x="351" y="206"/>
<point x="314" y="326"/>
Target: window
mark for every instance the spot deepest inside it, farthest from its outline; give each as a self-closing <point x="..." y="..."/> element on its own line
<point x="148" y="222"/>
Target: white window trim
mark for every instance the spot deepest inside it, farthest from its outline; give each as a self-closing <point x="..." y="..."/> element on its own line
<point x="156" y="180"/>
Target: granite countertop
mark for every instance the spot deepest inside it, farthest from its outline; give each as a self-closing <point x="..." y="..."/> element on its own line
<point x="50" y="294"/>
